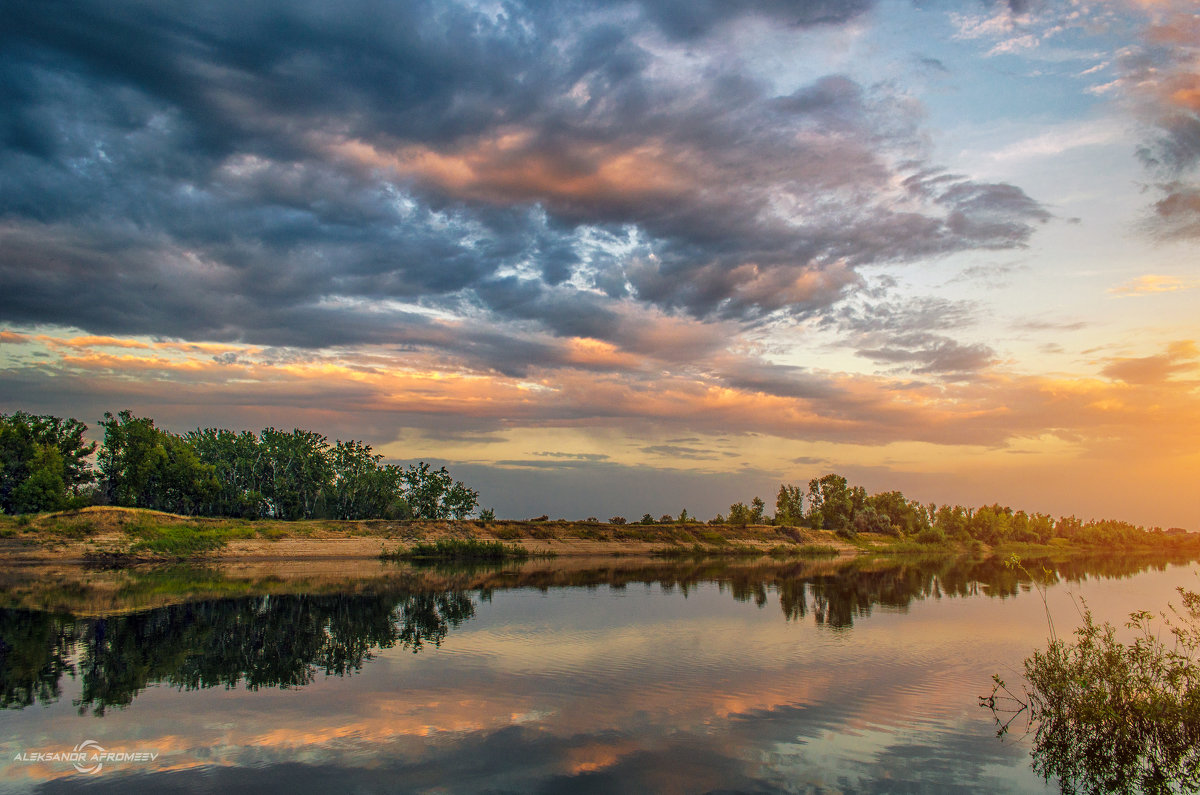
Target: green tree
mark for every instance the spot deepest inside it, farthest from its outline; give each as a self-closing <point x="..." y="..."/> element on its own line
<point x="50" y="451"/>
<point x="905" y="516"/>
<point x="789" y="505"/>
<point x="831" y="503"/>
<point x="434" y="494"/>
<point x="757" y="510"/>
<point x="145" y="467"/>
<point x="237" y="462"/>
<point x="44" y="488"/>
<point x="361" y="487"/>
<point x="297" y="472"/>
<point x="739" y="514"/>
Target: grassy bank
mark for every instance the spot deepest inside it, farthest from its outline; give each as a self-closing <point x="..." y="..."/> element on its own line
<point x="116" y="535"/>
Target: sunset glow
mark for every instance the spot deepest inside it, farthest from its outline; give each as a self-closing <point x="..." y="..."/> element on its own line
<point x="613" y="258"/>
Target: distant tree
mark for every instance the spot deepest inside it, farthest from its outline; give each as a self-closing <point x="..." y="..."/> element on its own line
<point x="44" y="488"/>
<point x="789" y="505"/>
<point x="739" y="514"/>
<point x="362" y="488"/>
<point x="145" y="467"/>
<point x="905" y="516"/>
<point x="684" y="518"/>
<point x="646" y="519"/>
<point x="297" y="472"/>
<point x="617" y="520"/>
<point x="434" y="494"/>
<point x="757" y="510"/>
<point x="237" y="461"/>
<point x="43" y="462"/>
<point x="868" y="520"/>
<point x="666" y="518"/>
<point x="830" y="503"/>
<point x="488" y="515"/>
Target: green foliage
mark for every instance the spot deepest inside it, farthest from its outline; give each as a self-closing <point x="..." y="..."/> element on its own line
<point x="460" y="550"/>
<point x="361" y="487"/>
<point x="144" y="467"/>
<point x="182" y="541"/>
<point x="239" y="467"/>
<point x="739" y="514"/>
<point x="931" y="535"/>
<point x="297" y="471"/>
<point x="1117" y="717"/>
<point x="617" y="520"/>
<point x="868" y="520"/>
<point x="43" y="462"/>
<point x="789" y="505"/>
<point x="904" y="516"/>
<point x="831" y="503"/>
<point x="43" y="489"/>
<point x="488" y="515"/>
<point x="280" y="474"/>
<point x="433" y="494"/>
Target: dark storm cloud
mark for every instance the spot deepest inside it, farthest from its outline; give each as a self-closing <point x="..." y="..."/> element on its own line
<point x="272" y="172"/>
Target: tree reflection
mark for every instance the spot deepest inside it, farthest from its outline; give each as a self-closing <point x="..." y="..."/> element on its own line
<point x="265" y="641"/>
<point x="286" y="640"/>
<point x="35" y="649"/>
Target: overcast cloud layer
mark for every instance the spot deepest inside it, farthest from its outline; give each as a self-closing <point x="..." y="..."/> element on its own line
<point x="615" y="216"/>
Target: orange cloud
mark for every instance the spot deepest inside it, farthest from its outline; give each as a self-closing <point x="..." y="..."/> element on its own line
<point x="13" y="338"/>
<point x="513" y="166"/>
<point x="1152" y="283"/>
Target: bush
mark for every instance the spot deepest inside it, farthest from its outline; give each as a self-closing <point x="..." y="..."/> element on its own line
<point x="931" y="535"/>
<point x="617" y="520"/>
<point x="1111" y="716"/>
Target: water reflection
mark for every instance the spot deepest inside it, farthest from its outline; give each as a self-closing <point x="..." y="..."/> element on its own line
<point x="264" y="641"/>
<point x="283" y="640"/>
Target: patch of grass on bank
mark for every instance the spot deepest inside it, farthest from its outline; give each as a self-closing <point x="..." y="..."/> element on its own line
<point x="455" y="549"/>
<point x="182" y="541"/>
<point x="805" y="550"/>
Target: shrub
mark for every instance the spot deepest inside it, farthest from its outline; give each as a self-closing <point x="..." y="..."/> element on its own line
<point x="931" y="535"/>
<point x="617" y="520"/>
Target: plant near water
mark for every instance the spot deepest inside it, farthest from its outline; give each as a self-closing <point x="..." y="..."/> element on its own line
<point x="1113" y="716"/>
<point x="460" y="550"/>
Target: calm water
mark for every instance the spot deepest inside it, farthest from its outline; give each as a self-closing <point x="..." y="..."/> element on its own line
<point x="648" y="677"/>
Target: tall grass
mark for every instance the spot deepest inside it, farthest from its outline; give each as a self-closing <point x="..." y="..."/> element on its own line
<point x="455" y="549"/>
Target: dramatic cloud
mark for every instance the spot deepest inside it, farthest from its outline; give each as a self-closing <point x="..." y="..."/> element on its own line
<point x="594" y="235"/>
<point x="286" y="176"/>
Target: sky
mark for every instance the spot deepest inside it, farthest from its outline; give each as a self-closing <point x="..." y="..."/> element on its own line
<point x="606" y="257"/>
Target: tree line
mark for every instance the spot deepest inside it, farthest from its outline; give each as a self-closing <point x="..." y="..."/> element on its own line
<point x="45" y="465"/>
<point x="831" y="503"/>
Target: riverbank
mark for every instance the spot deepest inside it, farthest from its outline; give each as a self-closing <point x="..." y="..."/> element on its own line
<point x="132" y="536"/>
<point x="125" y="536"/>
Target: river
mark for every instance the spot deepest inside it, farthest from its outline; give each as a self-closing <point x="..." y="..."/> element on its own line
<point x="624" y="676"/>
